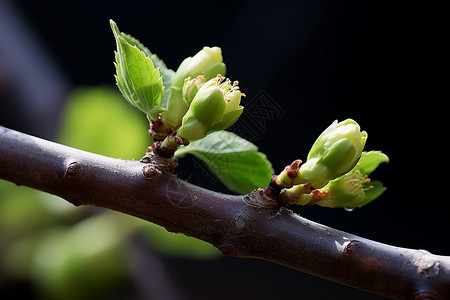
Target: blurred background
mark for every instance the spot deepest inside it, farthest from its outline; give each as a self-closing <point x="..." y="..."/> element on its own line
<point x="302" y="65"/>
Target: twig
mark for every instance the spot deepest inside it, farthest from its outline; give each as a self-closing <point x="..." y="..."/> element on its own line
<point x="249" y="226"/>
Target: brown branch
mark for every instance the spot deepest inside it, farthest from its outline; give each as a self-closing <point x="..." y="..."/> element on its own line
<point x="249" y="226"/>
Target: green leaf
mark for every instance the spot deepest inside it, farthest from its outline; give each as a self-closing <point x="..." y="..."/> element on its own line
<point x="369" y="161"/>
<point x="137" y="78"/>
<point x="166" y="73"/>
<point x="234" y="160"/>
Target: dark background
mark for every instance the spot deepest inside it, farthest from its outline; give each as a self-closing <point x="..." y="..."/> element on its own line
<point x="381" y="63"/>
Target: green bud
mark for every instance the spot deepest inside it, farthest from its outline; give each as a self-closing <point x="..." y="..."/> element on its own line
<point x="191" y="87"/>
<point x="286" y="178"/>
<point x="215" y="69"/>
<point x="208" y="105"/>
<point x="346" y="191"/>
<point x="182" y="73"/>
<point x="297" y="195"/>
<point x="207" y="61"/>
<point x="204" y="59"/>
<point x="228" y="119"/>
<point x="335" y="152"/>
<point x="233" y="109"/>
<point x="176" y="108"/>
<point x="214" y="107"/>
<point x="354" y="189"/>
<point x="313" y="172"/>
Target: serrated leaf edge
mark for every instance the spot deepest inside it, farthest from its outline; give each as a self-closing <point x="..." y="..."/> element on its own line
<point x="125" y="85"/>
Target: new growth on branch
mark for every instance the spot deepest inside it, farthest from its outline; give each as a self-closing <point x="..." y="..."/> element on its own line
<point x="188" y="111"/>
<point x="188" y="105"/>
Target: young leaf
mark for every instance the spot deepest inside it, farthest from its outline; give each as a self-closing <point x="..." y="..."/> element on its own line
<point x="166" y="73"/>
<point x="370" y="160"/>
<point x="137" y="78"/>
<point x="234" y="160"/>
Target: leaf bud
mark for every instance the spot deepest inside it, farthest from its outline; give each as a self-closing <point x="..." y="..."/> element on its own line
<point x="335" y="152"/>
<point x="214" y="107"/>
<point x="207" y="61"/>
<point x="191" y="87"/>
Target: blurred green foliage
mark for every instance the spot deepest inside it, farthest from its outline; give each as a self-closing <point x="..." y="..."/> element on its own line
<point x="80" y="252"/>
<point x="98" y="120"/>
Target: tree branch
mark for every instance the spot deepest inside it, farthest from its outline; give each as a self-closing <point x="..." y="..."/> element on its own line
<point x="249" y="226"/>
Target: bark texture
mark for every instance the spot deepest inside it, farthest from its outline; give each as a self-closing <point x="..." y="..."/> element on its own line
<point x="248" y="226"/>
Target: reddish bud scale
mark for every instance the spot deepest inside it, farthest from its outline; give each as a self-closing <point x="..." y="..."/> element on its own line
<point x="292" y="169"/>
<point x="318" y="195"/>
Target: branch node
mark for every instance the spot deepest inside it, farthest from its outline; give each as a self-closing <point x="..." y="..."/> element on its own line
<point x="350" y="247"/>
<point x="258" y="198"/>
<point x="273" y="189"/>
<point x="158" y="162"/>
<point x="426" y="265"/>
<point x="150" y="171"/>
<point x="72" y="170"/>
<point x="427" y="295"/>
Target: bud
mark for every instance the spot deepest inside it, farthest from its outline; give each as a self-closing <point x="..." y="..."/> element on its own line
<point x="286" y="178"/>
<point x="351" y="190"/>
<point x="347" y="191"/>
<point x="214" y="107"/>
<point x="207" y="61"/>
<point x="335" y="152"/>
<point x="233" y="109"/>
<point x="191" y="87"/>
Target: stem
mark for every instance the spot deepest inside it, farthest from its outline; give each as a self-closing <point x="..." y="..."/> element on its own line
<point x="249" y="226"/>
<point x="287" y="177"/>
<point x="170" y="144"/>
<point x="158" y="130"/>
